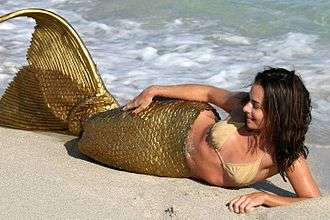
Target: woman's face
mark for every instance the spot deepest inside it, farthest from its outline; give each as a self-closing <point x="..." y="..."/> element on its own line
<point x="254" y="108"/>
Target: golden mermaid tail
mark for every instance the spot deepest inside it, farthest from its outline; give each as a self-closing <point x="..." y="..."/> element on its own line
<point x="60" y="89"/>
<point x="49" y="93"/>
<point x="152" y="142"/>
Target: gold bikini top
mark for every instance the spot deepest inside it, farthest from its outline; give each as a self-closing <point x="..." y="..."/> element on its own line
<point x="241" y="173"/>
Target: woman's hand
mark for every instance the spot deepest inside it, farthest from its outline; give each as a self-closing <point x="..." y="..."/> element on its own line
<point x="141" y="101"/>
<point x="247" y="203"/>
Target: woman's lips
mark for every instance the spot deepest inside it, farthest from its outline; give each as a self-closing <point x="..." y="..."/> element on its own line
<point x="249" y="119"/>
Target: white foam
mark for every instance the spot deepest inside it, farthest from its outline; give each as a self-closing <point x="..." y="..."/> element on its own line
<point x="174" y="24"/>
<point x="184" y="40"/>
<point x="2" y="49"/>
<point x="109" y="78"/>
<point x="318" y="146"/>
<point x="232" y="39"/>
<point x="148" y="53"/>
<point x="7" y="26"/>
<point x="137" y="73"/>
<point x="294" y="45"/>
<point x="206" y="57"/>
<point x="4" y="76"/>
<point x="98" y="29"/>
<point x="320" y="106"/>
<point x="129" y="23"/>
<point x="102" y="26"/>
<point x="58" y="1"/>
<point x="203" y="55"/>
<point x="178" y="21"/>
<point x="218" y="78"/>
<point x="175" y="59"/>
<point x="11" y="68"/>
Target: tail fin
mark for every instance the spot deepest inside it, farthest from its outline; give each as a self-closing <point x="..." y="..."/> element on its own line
<point x="60" y="75"/>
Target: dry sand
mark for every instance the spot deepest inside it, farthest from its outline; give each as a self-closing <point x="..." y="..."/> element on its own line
<point x="43" y="175"/>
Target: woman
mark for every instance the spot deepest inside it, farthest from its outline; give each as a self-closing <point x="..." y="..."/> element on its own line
<point x="274" y="118"/>
<point x="60" y="90"/>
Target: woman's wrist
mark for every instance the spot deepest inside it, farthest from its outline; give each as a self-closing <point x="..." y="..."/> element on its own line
<point x="153" y="90"/>
<point x="265" y="198"/>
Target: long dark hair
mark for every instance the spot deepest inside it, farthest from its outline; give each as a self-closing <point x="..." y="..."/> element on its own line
<point x="287" y="108"/>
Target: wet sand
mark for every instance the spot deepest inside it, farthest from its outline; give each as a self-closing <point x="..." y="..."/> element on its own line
<point x="43" y="175"/>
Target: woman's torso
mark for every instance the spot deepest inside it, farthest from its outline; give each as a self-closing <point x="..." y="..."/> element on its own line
<point x="204" y="161"/>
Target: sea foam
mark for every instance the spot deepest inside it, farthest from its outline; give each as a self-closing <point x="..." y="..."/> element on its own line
<point x="294" y="45"/>
<point x="7" y="26"/>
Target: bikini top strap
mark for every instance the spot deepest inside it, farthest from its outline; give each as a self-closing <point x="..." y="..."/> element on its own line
<point x="219" y="156"/>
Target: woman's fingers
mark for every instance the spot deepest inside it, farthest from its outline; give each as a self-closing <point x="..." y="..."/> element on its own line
<point x="138" y="110"/>
<point x="242" y="207"/>
<point x="129" y="105"/>
<point x="134" y="103"/>
<point x="140" y="102"/>
<point x="137" y="104"/>
<point x="238" y="203"/>
<point x="231" y="204"/>
<point x="141" y="107"/>
<point x="247" y="203"/>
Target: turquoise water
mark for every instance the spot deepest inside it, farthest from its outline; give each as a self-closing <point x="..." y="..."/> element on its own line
<point x="248" y="18"/>
<point x="223" y="43"/>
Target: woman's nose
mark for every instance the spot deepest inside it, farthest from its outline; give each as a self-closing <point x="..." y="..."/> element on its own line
<point x="247" y="107"/>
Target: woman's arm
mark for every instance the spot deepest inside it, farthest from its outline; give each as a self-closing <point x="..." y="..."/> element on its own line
<point x="301" y="180"/>
<point x="192" y="92"/>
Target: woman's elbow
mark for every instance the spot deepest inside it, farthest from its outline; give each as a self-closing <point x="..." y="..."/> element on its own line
<point x="311" y="195"/>
<point x="315" y="195"/>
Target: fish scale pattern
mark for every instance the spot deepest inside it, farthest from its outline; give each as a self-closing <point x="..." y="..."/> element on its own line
<point x="153" y="142"/>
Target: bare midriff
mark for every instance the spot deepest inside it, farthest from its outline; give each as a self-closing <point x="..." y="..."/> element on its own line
<point x="201" y="158"/>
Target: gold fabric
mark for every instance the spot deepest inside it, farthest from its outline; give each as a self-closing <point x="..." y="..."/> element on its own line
<point x="241" y="173"/>
<point x="152" y="142"/>
<point x="60" y="89"/>
<point x="60" y="75"/>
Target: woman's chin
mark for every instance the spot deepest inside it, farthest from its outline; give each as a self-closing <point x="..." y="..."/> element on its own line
<point x="253" y="128"/>
<point x="249" y="127"/>
<point x="249" y="124"/>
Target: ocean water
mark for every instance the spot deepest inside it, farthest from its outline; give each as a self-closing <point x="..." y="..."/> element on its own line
<point x="222" y="43"/>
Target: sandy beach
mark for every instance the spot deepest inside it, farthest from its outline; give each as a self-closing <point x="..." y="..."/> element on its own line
<point x="43" y="175"/>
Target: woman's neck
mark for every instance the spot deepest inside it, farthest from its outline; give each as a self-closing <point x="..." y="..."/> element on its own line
<point x="255" y="139"/>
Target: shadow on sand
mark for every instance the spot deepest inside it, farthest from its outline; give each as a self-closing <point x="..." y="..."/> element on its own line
<point x="72" y="149"/>
<point x="268" y="186"/>
<point x="265" y="186"/>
